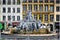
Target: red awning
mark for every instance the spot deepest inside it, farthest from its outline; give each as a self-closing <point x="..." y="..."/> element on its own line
<point x="15" y="23"/>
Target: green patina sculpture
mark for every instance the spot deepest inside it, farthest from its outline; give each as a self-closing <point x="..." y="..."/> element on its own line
<point x="1" y="26"/>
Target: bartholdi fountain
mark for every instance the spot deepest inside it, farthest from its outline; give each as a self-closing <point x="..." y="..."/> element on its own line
<point x="30" y="25"/>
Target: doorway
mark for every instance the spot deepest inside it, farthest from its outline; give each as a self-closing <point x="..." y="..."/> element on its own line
<point x="57" y="26"/>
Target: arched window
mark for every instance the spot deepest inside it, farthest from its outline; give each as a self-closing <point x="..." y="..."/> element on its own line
<point x="51" y="27"/>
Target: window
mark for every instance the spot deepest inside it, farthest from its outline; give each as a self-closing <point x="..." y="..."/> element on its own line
<point x="18" y="1"/>
<point x="24" y="8"/>
<point x="46" y="17"/>
<point x="9" y="10"/>
<point x="46" y="8"/>
<point x="13" y="10"/>
<point x="51" y="1"/>
<point x="30" y="1"/>
<point x="4" y="10"/>
<point x="41" y="1"/>
<point x="57" y="25"/>
<point x="13" y="18"/>
<point x="35" y="1"/>
<point x="9" y="2"/>
<point x="35" y="16"/>
<point x="30" y="7"/>
<point x="46" y="1"/>
<point x="24" y="16"/>
<point x="24" y="1"/>
<point x="18" y="10"/>
<point x="57" y="17"/>
<point x="4" y="1"/>
<point x="41" y="8"/>
<point x="18" y="18"/>
<point x="9" y="18"/>
<point x="35" y="7"/>
<point x="4" y="18"/>
<point x="51" y="8"/>
<point x="58" y="8"/>
<point x="51" y="17"/>
<point x="13" y="1"/>
<point x="41" y="17"/>
<point x="57" y="1"/>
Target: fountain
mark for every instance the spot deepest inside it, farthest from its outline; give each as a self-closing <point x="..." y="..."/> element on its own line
<point x="29" y="24"/>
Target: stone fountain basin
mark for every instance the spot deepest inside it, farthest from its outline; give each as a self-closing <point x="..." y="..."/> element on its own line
<point x="43" y="31"/>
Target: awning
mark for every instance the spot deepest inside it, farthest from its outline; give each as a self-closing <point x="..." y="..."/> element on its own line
<point x="15" y="23"/>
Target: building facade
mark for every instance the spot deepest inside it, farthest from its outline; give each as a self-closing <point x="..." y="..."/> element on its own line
<point x="10" y="11"/>
<point x="44" y="10"/>
<point x="48" y="11"/>
<point x="57" y="14"/>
